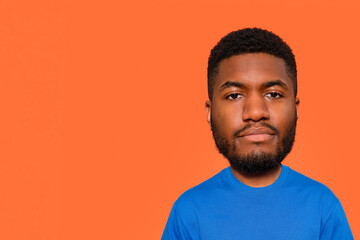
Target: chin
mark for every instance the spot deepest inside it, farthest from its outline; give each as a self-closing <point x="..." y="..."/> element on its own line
<point x="257" y="152"/>
<point x="257" y="161"/>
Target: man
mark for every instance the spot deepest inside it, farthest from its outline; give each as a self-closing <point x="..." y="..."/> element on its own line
<point x="252" y="110"/>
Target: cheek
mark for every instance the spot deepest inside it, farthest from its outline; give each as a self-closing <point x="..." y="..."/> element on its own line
<point x="228" y="119"/>
<point x="282" y="118"/>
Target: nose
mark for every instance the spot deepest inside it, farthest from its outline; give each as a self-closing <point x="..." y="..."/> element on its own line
<point x="255" y="108"/>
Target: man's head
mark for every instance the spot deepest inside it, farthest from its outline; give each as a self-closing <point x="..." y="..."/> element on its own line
<point x="253" y="105"/>
<point x="250" y="40"/>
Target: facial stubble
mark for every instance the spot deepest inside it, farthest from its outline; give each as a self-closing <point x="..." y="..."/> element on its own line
<point x="254" y="163"/>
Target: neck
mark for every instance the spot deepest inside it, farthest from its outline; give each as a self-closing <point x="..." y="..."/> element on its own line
<point x="261" y="180"/>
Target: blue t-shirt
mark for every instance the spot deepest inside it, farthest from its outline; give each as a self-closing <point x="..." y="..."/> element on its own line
<point x="223" y="208"/>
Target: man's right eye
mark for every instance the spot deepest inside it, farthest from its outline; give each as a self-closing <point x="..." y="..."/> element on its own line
<point x="233" y="96"/>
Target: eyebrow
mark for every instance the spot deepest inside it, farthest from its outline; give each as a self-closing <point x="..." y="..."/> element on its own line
<point x="274" y="83"/>
<point x="264" y="85"/>
<point x="232" y="84"/>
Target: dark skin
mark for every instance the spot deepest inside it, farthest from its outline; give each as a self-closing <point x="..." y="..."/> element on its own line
<point x="251" y="89"/>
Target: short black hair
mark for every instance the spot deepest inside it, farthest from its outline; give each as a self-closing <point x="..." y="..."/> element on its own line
<point x="250" y="40"/>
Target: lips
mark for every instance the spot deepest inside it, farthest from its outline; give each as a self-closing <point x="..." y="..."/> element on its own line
<point x="256" y="131"/>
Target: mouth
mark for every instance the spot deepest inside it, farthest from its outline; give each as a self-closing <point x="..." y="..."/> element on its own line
<point x="257" y="134"/>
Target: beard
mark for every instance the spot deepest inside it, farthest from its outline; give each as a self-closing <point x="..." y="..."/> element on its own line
<point x="254" y="163"/>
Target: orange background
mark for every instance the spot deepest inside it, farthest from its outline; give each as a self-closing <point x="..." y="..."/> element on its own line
<point x="102" y="108"/>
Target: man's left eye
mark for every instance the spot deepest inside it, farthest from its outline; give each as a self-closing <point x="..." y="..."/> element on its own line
<point x="273" y="95"/>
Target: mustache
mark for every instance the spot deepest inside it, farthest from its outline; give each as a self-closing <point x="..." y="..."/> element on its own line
<point x="250" y="125"/>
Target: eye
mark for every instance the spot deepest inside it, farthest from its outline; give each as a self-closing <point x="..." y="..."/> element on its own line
<point x="273" y="95"/>
<point x="234" y="96"/>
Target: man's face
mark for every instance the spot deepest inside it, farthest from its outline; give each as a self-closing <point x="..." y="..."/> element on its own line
<point x="253" y="112"/>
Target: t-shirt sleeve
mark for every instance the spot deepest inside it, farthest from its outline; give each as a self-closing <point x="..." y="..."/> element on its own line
<point x="336" y="226"/>
<point x="175" y="228"/>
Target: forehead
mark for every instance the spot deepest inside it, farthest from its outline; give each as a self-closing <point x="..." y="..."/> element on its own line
<point x="252" y="69"/>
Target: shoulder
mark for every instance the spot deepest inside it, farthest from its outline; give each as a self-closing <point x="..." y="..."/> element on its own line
<point x="306" y="183"/>
<point x="203" y="191"/>
<point x="321" y="202"/>
<point x="312" y="189"/>
<point x="185" y="209"/>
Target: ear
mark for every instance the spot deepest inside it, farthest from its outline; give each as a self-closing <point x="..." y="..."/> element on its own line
<point x="208" y="111"/>
<point x="297" y="102"/>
